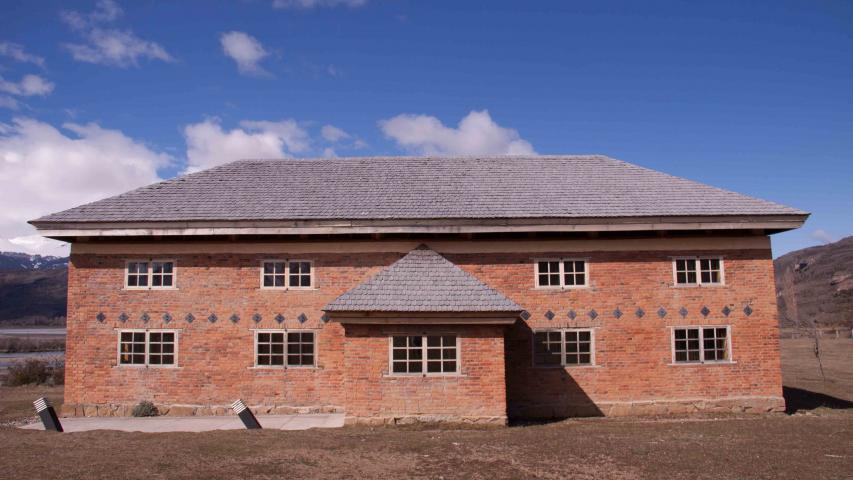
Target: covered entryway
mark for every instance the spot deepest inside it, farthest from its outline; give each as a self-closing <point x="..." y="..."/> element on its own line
<point x="424" y="342"/>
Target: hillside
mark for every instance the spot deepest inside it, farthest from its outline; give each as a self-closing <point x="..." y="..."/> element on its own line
<point x="32" y="289"/>
<point x="816" y="284"/>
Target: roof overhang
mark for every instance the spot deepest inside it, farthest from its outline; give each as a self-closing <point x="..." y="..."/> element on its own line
<point x="423" y="318"/>
<point x="770" y="223"/>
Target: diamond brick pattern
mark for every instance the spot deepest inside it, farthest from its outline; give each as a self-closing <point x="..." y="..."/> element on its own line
<point x="683" y="312"/>
<point x="549" y="315"/>
<point x="302" y="318"/>
<point x="617" y="313"/>
<point x="189" y="318"/>
<point x="572" y="315"/>
<point x="212" y="318"/>
<point x="640" y="312"/>
<point x="167" y="318"/>
<point x="101" y="317"/>
<point x="705" y="311"/>
<point x="422" y="281"/>
<point x="279" y="319"/>
<point x="234" y="318"/>
<point x="525" y="315"/>
<point x="145" y="317"/>
<point x="747" y="310"/>
<point x="661" y="312"/>
<point x="123" y="317"/>
<point x="592" y="314"/>
<point x="257" y="318"/>
<point x="727" y="311"/>
<point x="418" y="188"/>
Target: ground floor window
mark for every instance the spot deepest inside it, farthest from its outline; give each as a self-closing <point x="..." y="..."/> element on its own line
<point x="567" y="347"/>
<point x="701" y="344"/>
<point x="279" y="348"/>
<point x="148" y="347"/>
<point x="424" y="354"/>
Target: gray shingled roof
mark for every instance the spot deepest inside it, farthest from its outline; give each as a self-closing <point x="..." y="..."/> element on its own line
<point x="420" y="188"/>
<point x="422" y="281"/>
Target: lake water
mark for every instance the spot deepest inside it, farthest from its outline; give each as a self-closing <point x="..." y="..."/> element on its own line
<point x="32" y="331"/>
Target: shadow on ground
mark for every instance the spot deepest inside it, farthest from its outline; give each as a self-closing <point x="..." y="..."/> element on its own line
<point x="797" y="399"/>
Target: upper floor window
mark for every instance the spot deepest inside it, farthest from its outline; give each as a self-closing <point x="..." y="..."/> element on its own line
<point x="150" y="274"/>
<point x="148" y="347"/>
<point x="701" y="344"/>
<point x="287" y="274"/>
<point x="562" y="273"/>
<point x="279" y="348"/>
<point x="698" y="271"/>
<point x="563" y="347"/>
<point x="424" y="354"/>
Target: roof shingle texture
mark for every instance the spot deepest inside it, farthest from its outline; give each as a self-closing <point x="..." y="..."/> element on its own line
<point x="420" y="188"/>
<point x="422" y="281"/>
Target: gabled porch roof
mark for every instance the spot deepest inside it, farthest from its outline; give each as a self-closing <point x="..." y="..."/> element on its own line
<point x="423" y="287"/>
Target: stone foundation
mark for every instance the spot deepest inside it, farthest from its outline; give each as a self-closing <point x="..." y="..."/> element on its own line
<point x="654" y="407"/>
<point x="426" y="419"/>
<point x="125" y="409"/>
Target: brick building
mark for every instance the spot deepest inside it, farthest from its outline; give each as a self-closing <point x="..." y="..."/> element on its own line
<point x="394" y="289"/>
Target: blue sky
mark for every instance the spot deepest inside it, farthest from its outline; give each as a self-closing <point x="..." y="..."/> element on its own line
<point x="99" y="97"/>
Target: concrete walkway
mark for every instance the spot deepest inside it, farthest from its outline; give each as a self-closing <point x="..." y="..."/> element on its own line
<point x="195" y="424"/>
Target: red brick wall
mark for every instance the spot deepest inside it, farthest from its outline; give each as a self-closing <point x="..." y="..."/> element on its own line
<point x="632" y="354"/>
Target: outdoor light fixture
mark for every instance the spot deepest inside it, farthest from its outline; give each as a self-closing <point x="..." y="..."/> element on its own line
<point x="47" y="414"/>
<point x="245" y="415"/>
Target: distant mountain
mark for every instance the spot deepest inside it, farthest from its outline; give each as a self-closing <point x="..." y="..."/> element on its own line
<point x="33" y="289"/>
<point x="816" y="285"/>
<point x="15" y="262"/>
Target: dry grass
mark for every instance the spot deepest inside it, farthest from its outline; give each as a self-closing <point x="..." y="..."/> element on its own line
<point x="16" y="403"/>
<point x="811" y="444"/>
<point x="800" y="367"/>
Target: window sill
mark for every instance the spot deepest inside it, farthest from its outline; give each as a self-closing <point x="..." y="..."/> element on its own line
<point x="560" y="289"/>
<point x="701" y="364"/>
<point x="699" y="285"/>
<point x="564" y="367"/>
<point x="423" y="375"/>
<point x="287" y="289"/>
<point x="153" y="367"/>
<point x="276" y="367"/>
<point x="149" y="289"/>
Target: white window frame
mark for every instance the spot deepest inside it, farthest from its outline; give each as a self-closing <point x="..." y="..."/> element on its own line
<point x="702" y="360"/>
<point x="563" y="363"/>
<point x="287" y="285"/>
<point x="562" y="273"/>
<point x="423" y="372"/>
<point x="696" y="264"/>
<point x="150" y="273"/>
<point x="147" y="332"/>
<point x="284" y="331"/>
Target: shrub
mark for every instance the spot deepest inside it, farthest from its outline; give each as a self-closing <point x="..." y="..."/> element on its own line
<point x="36" y="371"/>
<point x="144" y="409"/>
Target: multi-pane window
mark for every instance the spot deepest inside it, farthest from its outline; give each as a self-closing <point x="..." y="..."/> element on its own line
<point x="700" y="344"/>
<point x="300" y="349"/>
<point x="424" y="354"/>
<point x="280" y="349"/>
<point x="698" y="271"/>
<point x="287" y="274"/>
<point x="561" y="273"/>
<point x="563" y="347"/>
<point x="150" y="274"/>
<point x="137" y="274"/>
<point x="153" y="348"/>
<point x="273" y="275"/>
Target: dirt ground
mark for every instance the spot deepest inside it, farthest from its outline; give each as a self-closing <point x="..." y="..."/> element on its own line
<point x="800" y="368"/>
<point x="816" y="442"/>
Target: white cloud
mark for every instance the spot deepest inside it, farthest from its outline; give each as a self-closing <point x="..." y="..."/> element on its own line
<point x="246" y="50"/>
<point x="17" y="52"/>
<point x="329" y="152"/>
<point x="28" y="86"/>
<point x="8" y="102"/>
<point x="477" y="134"/>
<point x="822" y="236"/>
<point x="209" y="145"/>
<point x="44" y="169"/>
<point x="333" y="134"/>
<point x="309" y="4"/>
<point x="109" y="46"/>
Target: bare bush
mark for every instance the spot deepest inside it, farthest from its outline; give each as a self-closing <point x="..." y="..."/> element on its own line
<point x="37" y="372"/>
